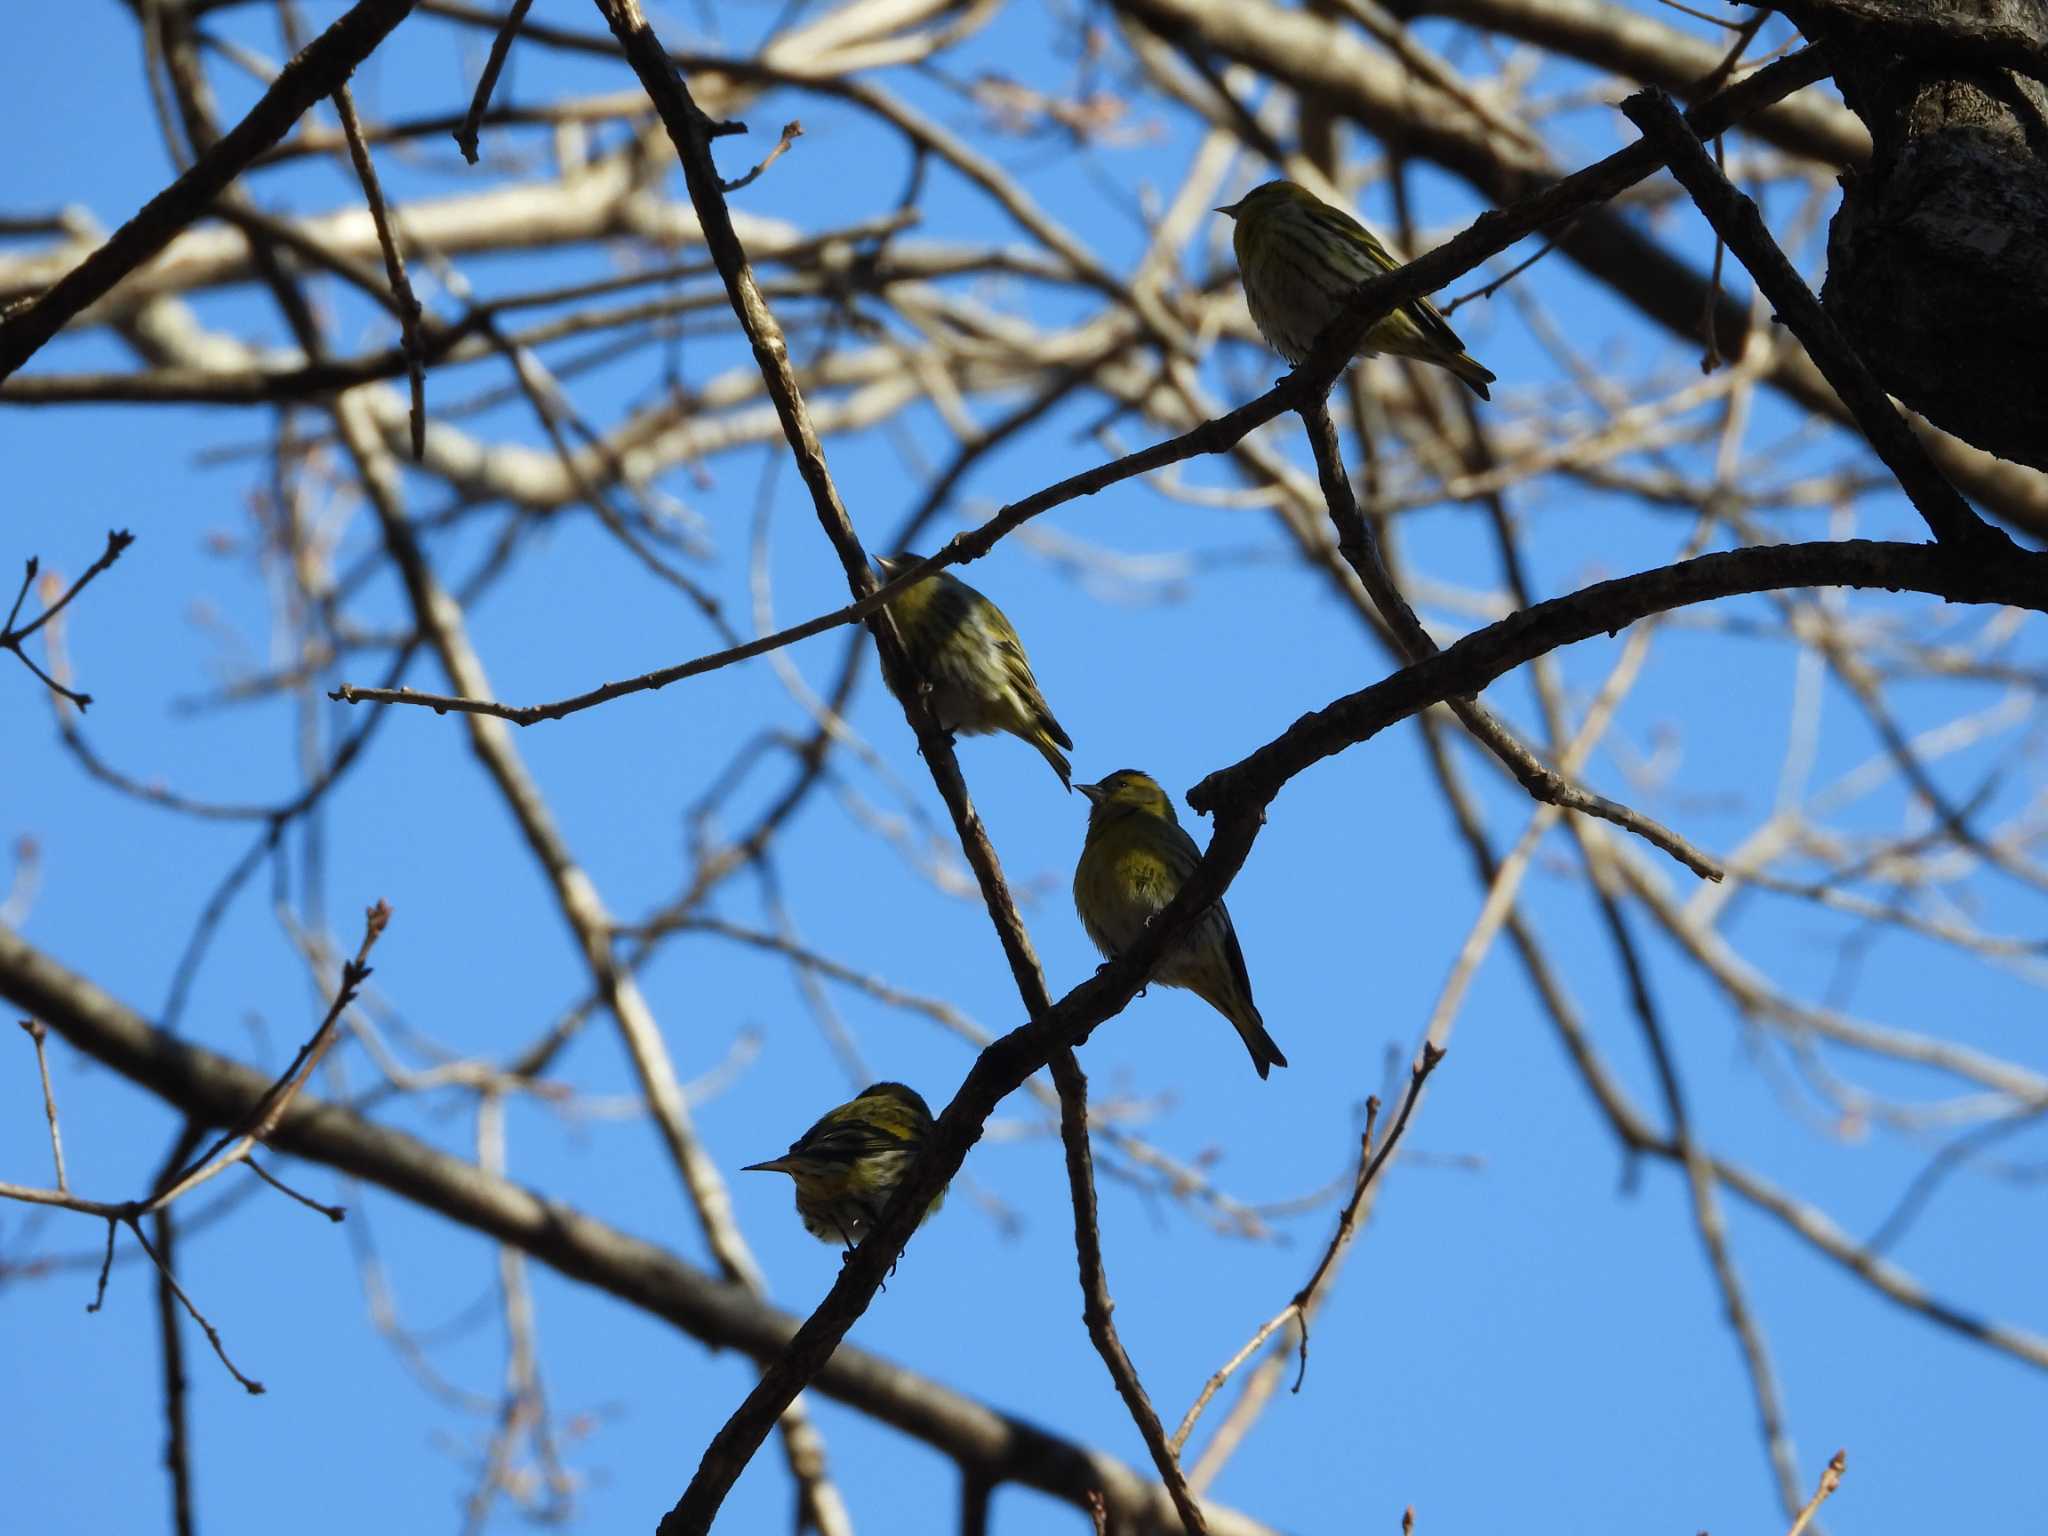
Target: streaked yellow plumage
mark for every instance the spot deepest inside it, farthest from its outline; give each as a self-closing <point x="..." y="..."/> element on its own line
<point x="969" y="655"/>
<point x="1302" y="259"/>
<point x="847" y="1165"/>
<point x="1133" y="863"/>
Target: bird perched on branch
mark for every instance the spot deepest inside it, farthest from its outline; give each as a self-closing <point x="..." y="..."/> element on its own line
<point x="1134" y="862"/>
<point x="969" y="656"/>
<point x="849" y="1163"/>
<point x="1302" y="259"/>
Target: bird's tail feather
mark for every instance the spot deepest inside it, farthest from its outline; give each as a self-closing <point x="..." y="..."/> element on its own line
<point x="1475" y="373"/>
<point x="1042" y="740"/>
<point x="1244" y="1017"/>
<point x="1265" y="1054"/>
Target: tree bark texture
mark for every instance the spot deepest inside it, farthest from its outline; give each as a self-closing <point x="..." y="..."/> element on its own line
<point x="1938" y="257"/>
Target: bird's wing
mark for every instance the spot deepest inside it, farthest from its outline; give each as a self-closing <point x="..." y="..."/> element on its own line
<point x="1431" y="319"/>
<point x="1021" y="677"/>
<point x="845" y="1141"/>
<point x="1427" y="317"/>
<point x="1233" y="956"/>
<point x="1186" y="853"/>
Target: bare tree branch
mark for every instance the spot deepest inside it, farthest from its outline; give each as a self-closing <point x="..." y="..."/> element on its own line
<point x="318" y="71"/>
<point x="1736" y="221"/>
<point x="212" y="1088"/>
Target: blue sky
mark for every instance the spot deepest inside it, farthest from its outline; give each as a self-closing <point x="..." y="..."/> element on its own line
<point x="1527" y="1322"/>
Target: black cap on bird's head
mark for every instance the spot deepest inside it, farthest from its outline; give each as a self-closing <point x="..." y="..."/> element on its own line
<point x="1266" y="195"/>
<point x="1125" y="791"/>
<point x="896" y="1109"/>
<point x="907" y="1096"/>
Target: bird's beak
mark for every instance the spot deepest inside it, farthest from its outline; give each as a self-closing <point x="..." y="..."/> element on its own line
<point x="1095" y="792"/>
<point x="1229" y="210"/>
<point x="888" y="569"/>
<point x="773" y="1165"/>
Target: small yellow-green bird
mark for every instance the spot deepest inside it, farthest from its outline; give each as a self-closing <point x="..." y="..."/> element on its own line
<point x="1301" y="259"/>
<point x="969" y="656"/>
<point x="849" y="1163"/>
<point x="1133" y="863"/>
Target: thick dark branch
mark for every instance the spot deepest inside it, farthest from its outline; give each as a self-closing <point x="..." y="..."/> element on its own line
<point x="325" y="64"/>
<point x="997" y="1072"/>
<point x="1492" y="233"/>
<point x="1238" y="797"/>
<point x="1625" y="41"/>
<point x="1736" y="220"/>
<point x="1333" y="67"/>
<point x="217" y="1091"/>
<point x="1247" y="31"/>
<point x="688" y="129"/>
<point x="1914" y="31"/>
<point x="1355" y="542"/>
<point x="2019" y="579"/>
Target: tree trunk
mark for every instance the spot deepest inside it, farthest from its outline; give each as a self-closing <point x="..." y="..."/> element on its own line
<point x="1938" y="258"/>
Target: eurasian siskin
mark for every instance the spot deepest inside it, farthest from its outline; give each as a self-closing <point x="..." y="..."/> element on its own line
<point x="969" y="656"/>
<point x="1133" y="863"/>
<point x="1301" y="259"/>
<point x="849" y="1163"/>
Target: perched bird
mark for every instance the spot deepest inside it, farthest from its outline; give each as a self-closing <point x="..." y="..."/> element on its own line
<point x="1301" y="260"/>
<point x="1132" y="865"/>
<point x="971" y="659"/>
<point x="849" y="1163"/>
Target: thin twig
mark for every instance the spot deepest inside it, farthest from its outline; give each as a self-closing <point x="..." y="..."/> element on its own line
<point x="263" y="1117"/>
<point x="177" y="1427"/>
<point x="403" y="299"/>
<point x="11" y="638"/>
<point x="1489" y="288"/>
<point x="99" y="1295"/>
<point x="259" y="1123"/>
<point x="331" y="1212"/>
<point x="1708" y="1217"/>
<point x="36" y="1032"/>
<point x="501" y="45"/>
<point x="1710" y="302"/>
<point x="1370" y="1161"/>
<point x="1096" y="1304"/>
<point x="177" y="1422"/>
<point x="253" y="1387"/>
<point x="118" y="539"/>
<point x="791" y="132"/>
<point x="1830" y="1480"/>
